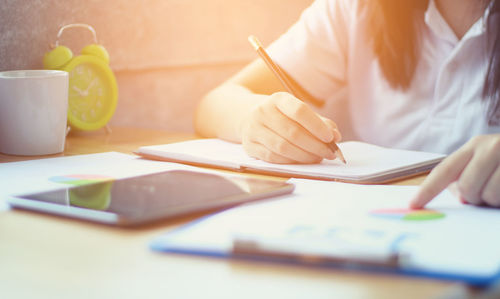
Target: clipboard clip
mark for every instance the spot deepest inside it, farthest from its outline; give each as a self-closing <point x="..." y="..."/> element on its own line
<point x="348" y="249"/>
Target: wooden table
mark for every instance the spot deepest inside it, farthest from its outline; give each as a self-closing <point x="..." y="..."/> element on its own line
<point x="45" y="256"/>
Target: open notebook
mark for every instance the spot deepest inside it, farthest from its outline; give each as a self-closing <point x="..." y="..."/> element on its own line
<point x="366" y="163"/>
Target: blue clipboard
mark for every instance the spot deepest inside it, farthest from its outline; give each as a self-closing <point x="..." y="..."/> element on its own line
<point x="360" y="228"/>
<point x="169" y="243"/>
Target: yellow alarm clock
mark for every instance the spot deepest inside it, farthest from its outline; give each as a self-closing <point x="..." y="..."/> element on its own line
<point x="93" y="93"/>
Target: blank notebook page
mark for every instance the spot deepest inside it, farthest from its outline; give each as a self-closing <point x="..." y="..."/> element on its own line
<point x="363" y="160"/>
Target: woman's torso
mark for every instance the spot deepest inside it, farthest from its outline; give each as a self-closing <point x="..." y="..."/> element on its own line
<point x="328" y="53"/>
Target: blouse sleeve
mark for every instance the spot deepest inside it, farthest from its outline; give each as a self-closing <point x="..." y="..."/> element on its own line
<point x="314" y="50"/>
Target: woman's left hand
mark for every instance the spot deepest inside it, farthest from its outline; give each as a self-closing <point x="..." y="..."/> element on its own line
<point x="475" y="168"/>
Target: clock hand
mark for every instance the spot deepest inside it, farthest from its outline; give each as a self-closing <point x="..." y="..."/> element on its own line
<point x="90" y="86"/>
<point x="78" y="90"/>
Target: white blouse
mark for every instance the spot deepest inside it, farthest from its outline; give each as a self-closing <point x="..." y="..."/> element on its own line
<point x="327" y="53"/>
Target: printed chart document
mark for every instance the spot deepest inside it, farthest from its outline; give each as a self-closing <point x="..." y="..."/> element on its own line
<point x="57" y="173"/>
<point x="353" y="226"/>
<point x="366" y="163"/>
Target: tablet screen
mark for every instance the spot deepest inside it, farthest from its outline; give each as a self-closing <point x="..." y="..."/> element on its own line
<point x="154" y="196"/>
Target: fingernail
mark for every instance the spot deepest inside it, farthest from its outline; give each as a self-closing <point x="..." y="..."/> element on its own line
<point x="337" y="135"/>
<point x="328" y="137"/>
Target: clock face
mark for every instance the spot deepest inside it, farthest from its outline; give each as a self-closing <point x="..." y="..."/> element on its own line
<point x="87" y="92"/>
<point x="92" y="93"/>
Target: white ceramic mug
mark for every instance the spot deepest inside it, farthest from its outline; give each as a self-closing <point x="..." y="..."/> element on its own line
<point x="33" y="112"/>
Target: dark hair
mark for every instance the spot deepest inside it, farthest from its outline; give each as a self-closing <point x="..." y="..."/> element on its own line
<point x="491" y="87"/>
<point x="392" y="27"/>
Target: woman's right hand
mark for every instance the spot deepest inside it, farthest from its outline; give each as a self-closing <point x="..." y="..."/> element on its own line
<point x="285" y="130"/>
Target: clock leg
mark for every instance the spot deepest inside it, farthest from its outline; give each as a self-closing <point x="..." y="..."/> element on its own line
<point x="108" y="129"/>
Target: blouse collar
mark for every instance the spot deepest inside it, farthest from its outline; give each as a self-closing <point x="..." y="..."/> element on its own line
<point x="440" y="27"/>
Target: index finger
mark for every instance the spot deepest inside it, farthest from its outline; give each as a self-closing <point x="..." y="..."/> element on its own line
<point x="306" y="117"/>
<point x="440" y="177"/>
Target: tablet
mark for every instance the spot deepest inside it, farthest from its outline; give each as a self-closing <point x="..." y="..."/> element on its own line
<point x="151" y="197"/>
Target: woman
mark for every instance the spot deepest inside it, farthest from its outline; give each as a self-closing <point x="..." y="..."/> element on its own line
<point x="414" y="74"/>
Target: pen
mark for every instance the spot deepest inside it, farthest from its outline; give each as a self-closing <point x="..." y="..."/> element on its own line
<point x="289" y="86"/>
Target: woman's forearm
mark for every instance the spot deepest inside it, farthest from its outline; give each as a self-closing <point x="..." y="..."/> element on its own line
<point x="221" y="112"/>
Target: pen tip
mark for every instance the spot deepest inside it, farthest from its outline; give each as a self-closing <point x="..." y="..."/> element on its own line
<point x="340" y="156"/>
